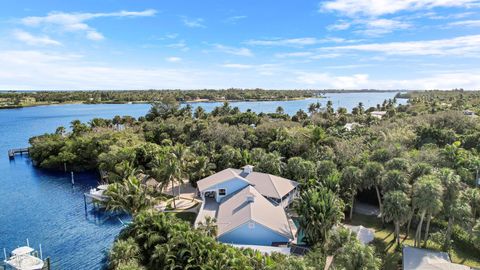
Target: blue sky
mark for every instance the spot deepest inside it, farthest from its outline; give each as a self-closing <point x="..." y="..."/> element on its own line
<point x="273" y="44"/>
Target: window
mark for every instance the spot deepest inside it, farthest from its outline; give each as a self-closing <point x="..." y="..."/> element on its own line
<point x="222" y="192"/>
<point x="251" y="225"/>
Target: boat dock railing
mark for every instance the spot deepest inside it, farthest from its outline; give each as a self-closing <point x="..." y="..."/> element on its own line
<point x="13" y="152"/>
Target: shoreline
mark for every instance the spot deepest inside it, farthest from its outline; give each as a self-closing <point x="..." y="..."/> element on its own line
<point x="321" y="96"/>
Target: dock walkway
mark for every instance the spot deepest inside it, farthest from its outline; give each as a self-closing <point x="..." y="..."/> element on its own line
<point x="13" y="152"/>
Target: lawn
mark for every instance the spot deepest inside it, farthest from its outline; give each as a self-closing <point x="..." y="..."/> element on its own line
<point x="392" y="256"/>
<point x="187" y="216"/>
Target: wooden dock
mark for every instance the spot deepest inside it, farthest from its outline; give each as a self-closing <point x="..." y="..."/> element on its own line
<point x="13" y="152"/>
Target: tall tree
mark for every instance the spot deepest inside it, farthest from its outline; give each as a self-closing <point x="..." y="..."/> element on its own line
<point x="351" y="182"/>
<point x="372" y="177"/>
<point x="396" y="209"/>
<point x="427" y="198"/>
<point x="471" y="196"/>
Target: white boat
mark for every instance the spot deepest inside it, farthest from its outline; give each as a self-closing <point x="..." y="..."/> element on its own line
<point x="24" y="258"/>
<point x="97" y="193"/>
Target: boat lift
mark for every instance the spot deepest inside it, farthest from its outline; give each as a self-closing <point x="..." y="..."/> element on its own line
<point x="25" y="258"/>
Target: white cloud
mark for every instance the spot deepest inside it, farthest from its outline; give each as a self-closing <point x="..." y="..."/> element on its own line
<point x="466" y="23"/>
<point x="76" y="22"/>
<point x="233" y="50"/>
<point x="234" y="19"/>
<point x="293" y="42"/>
<point x="384" y="7"/>
<point x="307" y="54"/>
<point x="193" y="23"/>
<point x="339" y="26"/>
<point x="459" y="46"/>
<point x="181" y="45"/>
<point x="237" y="66"/>
<point x="327" y="80"/>
<point x="293" y="54"/>
<point x="173" y="59"/>
<point x="444" y="81"/>
<point x="34" y="40"/>
<point x="376" y="27"/>
<point x="40" y="70"/>
<point x="94" y="35"/>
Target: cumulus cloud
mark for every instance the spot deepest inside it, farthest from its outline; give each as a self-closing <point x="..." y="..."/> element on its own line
<point x="34" y="40"/>
<point x="384" y="7"/>
<point x="76" y="22"/>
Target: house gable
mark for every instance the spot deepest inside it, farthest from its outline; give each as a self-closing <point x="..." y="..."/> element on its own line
<point x="253" y="233"/>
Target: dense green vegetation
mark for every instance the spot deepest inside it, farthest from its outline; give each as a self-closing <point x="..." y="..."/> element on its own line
<point x="420" y="160"/>
<point x="19" y="99"/>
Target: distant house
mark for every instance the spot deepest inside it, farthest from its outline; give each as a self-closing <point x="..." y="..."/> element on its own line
<point x="248" y="206"/>
<point x="424" y="259"/>
<point x="378" y="114"/>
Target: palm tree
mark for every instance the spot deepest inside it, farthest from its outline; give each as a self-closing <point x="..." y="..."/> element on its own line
<point x="396" y="209"/>
<point x="319" y="210"/>
<point x="395" y="180"/>
<point x="176" y="167"/>
<point x="209" y="227"/>
<point x="123" y="251"/>
<point x="472" y="197"/>
<point x="123" y="170"/>
<point x="427" y="198"/>
<point x="372" y="177"/>
<point x="128" y="196"/>
<point x="351" y="181"/>
<point x="200" y="168"/>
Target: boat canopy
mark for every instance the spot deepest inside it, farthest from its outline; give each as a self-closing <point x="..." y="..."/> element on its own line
<point x="22" y="251"/>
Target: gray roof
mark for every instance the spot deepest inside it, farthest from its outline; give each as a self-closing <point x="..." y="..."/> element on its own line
<point x="239" y="209"/>
<point x="218" y="178"/>
<point x="424" y="259"/>
<point x="270" y="185"/>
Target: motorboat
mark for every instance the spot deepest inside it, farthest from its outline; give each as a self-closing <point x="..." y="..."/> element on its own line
<point x="97" y="193"/>
<point x="24" y="258"/>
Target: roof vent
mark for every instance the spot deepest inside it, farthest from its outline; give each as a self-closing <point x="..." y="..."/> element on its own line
<point x="250" y="198"/>
<point x="247" y="169"/>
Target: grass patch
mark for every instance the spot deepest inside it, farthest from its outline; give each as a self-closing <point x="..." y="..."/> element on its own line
<point x="391" y="254"/>
<point x="187" y="216"/>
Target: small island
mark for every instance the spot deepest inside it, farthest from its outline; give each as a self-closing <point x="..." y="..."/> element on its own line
<point x="19" y="99"/>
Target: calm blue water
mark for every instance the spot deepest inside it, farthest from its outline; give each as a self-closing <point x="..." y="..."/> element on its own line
<point x="45" y="208"/>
